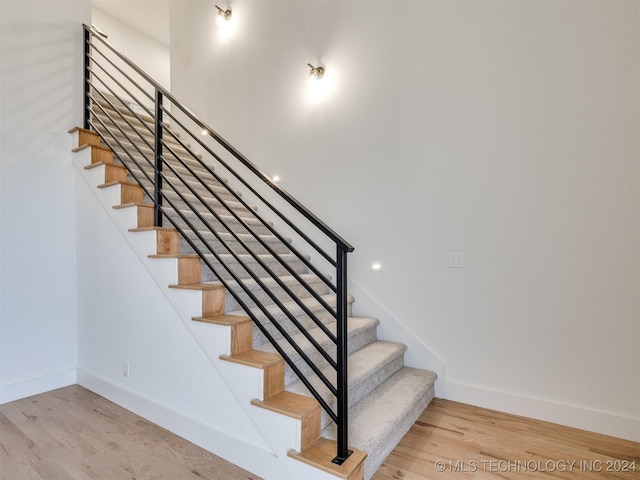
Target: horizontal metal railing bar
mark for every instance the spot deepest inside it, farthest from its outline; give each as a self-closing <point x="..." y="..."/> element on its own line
<point x="265" y="178"/>
<point x="125" y="89"/>
<point x="117" y="110"/>
<point x="124" y="105"/>
<point x="269" y="227"/>
<point x="255" y="192"/>
<point x="252" y="274"/>
<point x="118" y="126"/>
<point x="150" y="136"/>
<point x="114" y="138"/>
<point x="248" y="291"/>
<point x="262" y="243"/>
<point x="147" y="94"/>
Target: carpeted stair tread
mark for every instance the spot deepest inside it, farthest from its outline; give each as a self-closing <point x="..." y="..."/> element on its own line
<point x="227" y="219"/>
<point x="138" y="114"/>
<point x="247" y="243"/>
<point x="146" y="162"/>
<point x="141" y="147"/>
<point x="207" y="203"/>
<point x="141" y="130"/>
<point x="270" y="285"/>
<point x="367" y="368"/>
<point x="141" y="135"/>
<point x="380" y="420"/>
<point x="242" y="264"/>
<point x="361" y="331"/>
<point x="320" y="312"/>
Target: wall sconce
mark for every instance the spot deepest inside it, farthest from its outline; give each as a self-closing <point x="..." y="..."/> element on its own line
<point x="315" y="73"/>
<point x="223" y="16"/>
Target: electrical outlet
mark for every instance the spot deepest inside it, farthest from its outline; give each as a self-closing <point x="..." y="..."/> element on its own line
<point x="456" y="260"/>
<point x="125" y="369"/>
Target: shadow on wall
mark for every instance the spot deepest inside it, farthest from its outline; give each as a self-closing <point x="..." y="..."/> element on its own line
<point x="37" y="90"/>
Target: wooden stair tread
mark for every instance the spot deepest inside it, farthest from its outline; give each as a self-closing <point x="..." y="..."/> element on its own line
<point x="223" y="319"/>
<point x="86" y="145"/>
<point x="290" y="404"/>
<point x="99" y="164"/>
<point x="118" y="182"/>
<point x="198" y="286"/>
<point x="322" y="451"/>
<point x="80" y="129"/>
<point x="136" y="204"/>
<point x="178" y="255"/>
<point x="146" y="229"/>
<point x="254" y="358"/>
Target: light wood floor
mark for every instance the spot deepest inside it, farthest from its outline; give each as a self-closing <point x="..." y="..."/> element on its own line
<point x="456" y="441"/>
<point x="72" y="433"/>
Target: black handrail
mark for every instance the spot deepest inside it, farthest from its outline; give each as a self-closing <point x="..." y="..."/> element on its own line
<point x="161" y="181"/>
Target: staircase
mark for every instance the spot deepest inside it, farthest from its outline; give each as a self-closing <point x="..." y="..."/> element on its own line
<point x="268" y="280"/>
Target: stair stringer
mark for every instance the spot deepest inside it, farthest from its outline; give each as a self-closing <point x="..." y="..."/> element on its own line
<point x="281" y="433"/>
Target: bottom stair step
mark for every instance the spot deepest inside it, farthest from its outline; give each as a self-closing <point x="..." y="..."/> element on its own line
<point x="368" y="367"/>
<point x="322" y="451"/>
<point x="379" y="421"/>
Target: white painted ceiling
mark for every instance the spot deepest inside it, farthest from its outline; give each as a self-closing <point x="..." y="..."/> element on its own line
<point x="148" y="16"/>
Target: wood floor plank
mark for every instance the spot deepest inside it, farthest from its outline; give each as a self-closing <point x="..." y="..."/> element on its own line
<point x="18" y="471"/>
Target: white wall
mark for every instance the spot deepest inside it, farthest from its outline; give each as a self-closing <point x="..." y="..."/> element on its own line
<point x="41" y="91"/>
<point x="505" y="130"/>
<point x="149" y="54"/>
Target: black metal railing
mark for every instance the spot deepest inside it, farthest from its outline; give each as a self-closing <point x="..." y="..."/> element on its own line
<point x="195" y="189"/>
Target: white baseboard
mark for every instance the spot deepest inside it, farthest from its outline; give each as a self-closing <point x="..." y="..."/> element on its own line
<point x="35" y="386"/>
<point x="575" y="416"/>
<point x="251" y="457"/>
